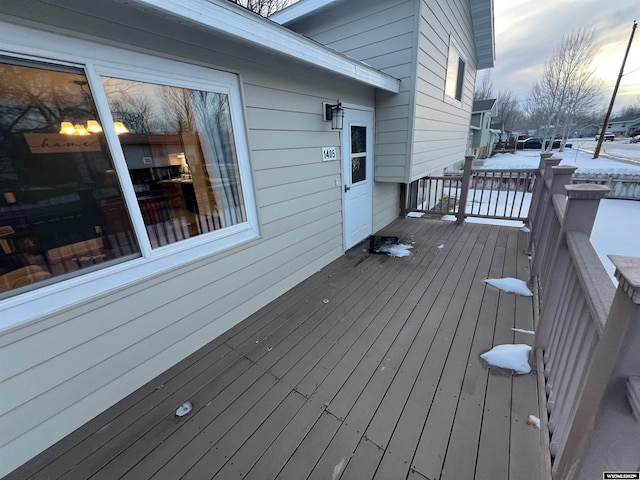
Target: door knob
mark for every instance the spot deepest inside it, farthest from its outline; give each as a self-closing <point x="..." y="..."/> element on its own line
<point x="346" y="188"/>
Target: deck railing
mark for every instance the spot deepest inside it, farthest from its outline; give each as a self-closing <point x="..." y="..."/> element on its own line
<point x="484" y="193"/>
<point x="587" y="330"/>
<point x="624" y="186"/>
<point x="587" y="333"/>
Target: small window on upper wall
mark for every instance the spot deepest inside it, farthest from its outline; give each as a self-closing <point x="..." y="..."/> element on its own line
<point x="456" y="64"/>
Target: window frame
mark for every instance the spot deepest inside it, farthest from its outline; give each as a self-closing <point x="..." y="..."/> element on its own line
<point x="117" y="62"/>
<point x="460" y="76"/>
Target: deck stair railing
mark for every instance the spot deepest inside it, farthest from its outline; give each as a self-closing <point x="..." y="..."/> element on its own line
<point x="587" y="334"/>
<point x="483" y="193"/>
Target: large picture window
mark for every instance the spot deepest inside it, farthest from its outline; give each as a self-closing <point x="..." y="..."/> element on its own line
<point x="61" y="209"/>
<point x="181" y="158"/>
<point x="71" y="205"/>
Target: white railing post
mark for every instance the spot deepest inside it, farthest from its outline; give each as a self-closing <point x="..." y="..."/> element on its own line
<point x="464" y="190"/>
<point x="603" y="433"/>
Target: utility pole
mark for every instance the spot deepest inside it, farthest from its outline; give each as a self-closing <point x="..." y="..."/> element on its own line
<point x="596" y="154"/>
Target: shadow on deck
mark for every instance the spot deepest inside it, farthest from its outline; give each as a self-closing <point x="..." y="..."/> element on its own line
<point x="369" y="369"/>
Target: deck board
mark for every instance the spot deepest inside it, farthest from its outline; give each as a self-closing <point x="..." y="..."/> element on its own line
<point x="468" y="421"/>
<point x="437" y="332"/>
<point x="493" y="449"/>
<point x="368" y="369"/>
<point x="525" y="438"/>
<point x="432" y="448"/>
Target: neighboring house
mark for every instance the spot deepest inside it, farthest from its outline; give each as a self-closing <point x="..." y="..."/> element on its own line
<point x="167" y="169"/>
<point x="621" y="126"/>
<point x="481" y="137"/>
<point x="587" y="131"/>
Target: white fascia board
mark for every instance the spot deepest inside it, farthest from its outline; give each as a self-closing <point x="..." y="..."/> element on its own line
<point x="482" y="19"/>
<point x="299" y="10"/>
<point x="236" y="22"/>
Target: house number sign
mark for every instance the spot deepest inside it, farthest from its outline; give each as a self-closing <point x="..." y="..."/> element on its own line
<point x="329" y="153"/>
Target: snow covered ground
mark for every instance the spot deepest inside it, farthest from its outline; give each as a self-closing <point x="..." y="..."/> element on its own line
<point x="617" y="227"/>
<point x="619" y="149"/>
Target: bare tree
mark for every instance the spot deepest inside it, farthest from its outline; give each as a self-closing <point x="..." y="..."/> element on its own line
<point x="630" y="110"/>
<point x="508" y="111"/>
<point x="567" y="86"/>
<point x="263" y="7"/>
<point x="484" y="91"/>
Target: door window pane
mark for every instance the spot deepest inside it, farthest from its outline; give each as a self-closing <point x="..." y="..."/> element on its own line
<point x="180" y="151"/>
<point x="358" y="139"/>
<point x="61" y="206"/>
<point x="358" y="161"/>
<point x="358" y="169"/>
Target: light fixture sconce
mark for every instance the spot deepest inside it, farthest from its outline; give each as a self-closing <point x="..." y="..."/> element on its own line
<point x="333" y="113"/>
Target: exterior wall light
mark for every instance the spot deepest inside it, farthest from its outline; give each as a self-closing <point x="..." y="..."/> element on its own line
<point x="333" y="113"/>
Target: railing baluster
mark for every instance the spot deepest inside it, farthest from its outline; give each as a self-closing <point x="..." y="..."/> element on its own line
<point x="451" y="193"/>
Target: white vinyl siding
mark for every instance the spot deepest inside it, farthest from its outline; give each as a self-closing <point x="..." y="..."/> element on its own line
<point x="61" y="368"/>
<point x="419" y="131"/>
<point x="441" y="127"/>
<point x="380" y="34"/>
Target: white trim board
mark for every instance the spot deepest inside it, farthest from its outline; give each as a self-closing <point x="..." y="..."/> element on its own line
<point x="251" y="28"/>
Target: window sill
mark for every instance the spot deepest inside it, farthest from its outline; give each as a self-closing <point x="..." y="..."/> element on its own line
<point x="453" y="101"/>
<point x="34" y="305"/>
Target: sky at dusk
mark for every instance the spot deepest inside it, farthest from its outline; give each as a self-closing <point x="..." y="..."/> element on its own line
<point x="528" y="31"/>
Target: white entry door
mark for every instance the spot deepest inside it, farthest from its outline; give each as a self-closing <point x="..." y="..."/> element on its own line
<point x="357" y="175"/>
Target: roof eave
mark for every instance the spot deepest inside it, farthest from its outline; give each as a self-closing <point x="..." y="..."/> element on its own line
<point x="251" y="28"/>
<point x="483" y="32"/>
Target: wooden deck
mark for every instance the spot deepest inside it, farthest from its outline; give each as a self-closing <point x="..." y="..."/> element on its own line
<point x="369" y="369"/>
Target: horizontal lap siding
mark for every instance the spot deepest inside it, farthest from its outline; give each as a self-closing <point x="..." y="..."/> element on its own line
<point x="62" y="370"/>
<point x="441" y="129"/>
<point x="381" y="34"/>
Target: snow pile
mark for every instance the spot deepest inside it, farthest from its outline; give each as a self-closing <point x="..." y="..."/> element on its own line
<point x="415" y="214"/>
<point x="184" y="409"/>
<point x="400" y="250"/>
<point x="528" y="332"/>
<point x="337" y="469"/>
<point x="510" y="285"/>
<point x="525" y="230"/>
<point x="533" y="420"/>
<point x="512" y="357"/>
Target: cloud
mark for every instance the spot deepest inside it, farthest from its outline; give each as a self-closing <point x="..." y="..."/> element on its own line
<point x="527" y="32"/>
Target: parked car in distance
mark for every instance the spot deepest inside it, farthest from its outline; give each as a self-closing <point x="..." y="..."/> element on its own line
<point x="608" y="137"/>
<point x="535" y="143"/>
<point x="635" y="139"/>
